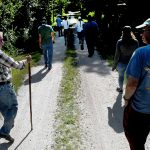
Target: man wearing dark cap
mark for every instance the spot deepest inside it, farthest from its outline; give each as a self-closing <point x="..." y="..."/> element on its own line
<point x="136" y="120"/>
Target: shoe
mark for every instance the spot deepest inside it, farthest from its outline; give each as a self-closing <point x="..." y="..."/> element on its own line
<point x="7" y="137"/>
<point x="119" y="90"/>
<point x="49" y="68"/>
<point x="90" y="55"/>
<point x="82" y="47"/>
<point x="45" y="66"/>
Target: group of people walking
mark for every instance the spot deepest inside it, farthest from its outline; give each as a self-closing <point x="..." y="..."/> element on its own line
<point x="87" y="31"/>
<point x="130" y="60"/>
<point x="133" y="62"/>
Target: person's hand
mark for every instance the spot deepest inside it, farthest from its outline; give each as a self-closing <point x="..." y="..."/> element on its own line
<point x="29" y="58"/>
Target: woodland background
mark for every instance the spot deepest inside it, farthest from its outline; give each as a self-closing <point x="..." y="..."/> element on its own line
<point x="19" y="20"/>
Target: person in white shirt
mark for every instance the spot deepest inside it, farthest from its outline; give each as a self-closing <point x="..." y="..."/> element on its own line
<point x="80" y="33"/>
<point x="65" y="24"/>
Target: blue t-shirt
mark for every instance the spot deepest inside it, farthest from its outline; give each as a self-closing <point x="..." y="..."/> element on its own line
<point x="58" y="20"/>
<point x="91" y="29"/>
<point x="139" y="68"/>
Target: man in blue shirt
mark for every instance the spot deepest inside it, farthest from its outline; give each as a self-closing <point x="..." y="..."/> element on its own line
<point x="136" y="119"/>
<point x="91" y="33"/>
<point x="59" y="25"/>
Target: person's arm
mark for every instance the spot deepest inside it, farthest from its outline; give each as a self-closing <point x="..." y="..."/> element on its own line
<point x="53" y="37"/>
<point x="116" y="58"/>
<point x="131" y="86"/>
<point x="11" y="63"/>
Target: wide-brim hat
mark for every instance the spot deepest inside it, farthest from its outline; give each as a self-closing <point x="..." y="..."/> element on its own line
<point x="58" y="15"/>
<point x="144" y="24"/>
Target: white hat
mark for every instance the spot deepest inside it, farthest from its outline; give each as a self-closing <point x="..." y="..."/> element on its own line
<point x="145" y="23"/>
<point x="79" y="17"/>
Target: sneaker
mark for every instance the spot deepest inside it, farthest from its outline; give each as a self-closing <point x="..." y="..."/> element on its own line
<point x="50" y="67"/>
<point x="7" y="137"/>
<point x="82" y="47"/>
<point x="45" y="66"/>
<point x="119" y="90"/>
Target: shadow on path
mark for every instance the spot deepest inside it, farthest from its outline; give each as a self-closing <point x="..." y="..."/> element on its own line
<point x="115" y="115"/>
<point x="5" y="146"/>
<point x="37" y="77"/>
<point x="22" y="140"/>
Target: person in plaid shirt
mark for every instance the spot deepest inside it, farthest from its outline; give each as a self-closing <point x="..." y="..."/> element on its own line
<point x="8" y="98"/>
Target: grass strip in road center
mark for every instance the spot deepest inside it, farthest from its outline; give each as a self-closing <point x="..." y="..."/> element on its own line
<point x="67" y="130"/>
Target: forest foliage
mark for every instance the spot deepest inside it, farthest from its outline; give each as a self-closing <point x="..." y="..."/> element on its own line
<point x="19" y="19"/>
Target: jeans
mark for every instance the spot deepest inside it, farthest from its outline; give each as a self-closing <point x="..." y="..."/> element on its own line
<point x="48" y="54"/>
<point x="121" y="71"/>
<point x="8" y="107"/>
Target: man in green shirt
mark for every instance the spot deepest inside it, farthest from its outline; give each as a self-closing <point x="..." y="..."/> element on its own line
<point x="46" y="40"/>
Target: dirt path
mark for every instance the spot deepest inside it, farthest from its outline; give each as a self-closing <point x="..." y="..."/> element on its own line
<point x="101" y="106"/>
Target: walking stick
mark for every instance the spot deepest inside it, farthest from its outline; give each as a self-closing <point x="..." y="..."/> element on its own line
<point x="29" y="70"/>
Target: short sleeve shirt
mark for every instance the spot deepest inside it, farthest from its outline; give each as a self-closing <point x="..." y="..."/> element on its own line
<point x="45" y="31"/>
<point x="139" y="68"/>
<point x="58" y="20"/>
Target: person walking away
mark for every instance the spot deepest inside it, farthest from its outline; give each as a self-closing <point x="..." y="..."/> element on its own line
<point x="59" y="25"/>
<point x="91" y="31"/>
<point x="8" y="98"/>
<point x="46" y="40"/>
<point x="136" y="119"/>
<point x="125" y="47"/>
<point x="65" y="24"/>
<point x="80" y="33"/>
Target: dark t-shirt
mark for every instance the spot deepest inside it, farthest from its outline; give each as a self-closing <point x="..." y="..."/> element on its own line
<point x="45" y="31"/>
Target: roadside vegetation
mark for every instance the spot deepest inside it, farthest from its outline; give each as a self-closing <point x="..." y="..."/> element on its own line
<point x="67" y="130"/>
<point x="18" y="75"/>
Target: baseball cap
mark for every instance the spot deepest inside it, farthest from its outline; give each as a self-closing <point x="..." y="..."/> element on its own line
<point x="79" y="17"/>
<point x="145" y="23"/>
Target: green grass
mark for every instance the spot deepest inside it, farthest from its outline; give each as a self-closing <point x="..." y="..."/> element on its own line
<point x="18" y="75"/>
<point x="110" y="60"/>
<point x="67" y="116"/>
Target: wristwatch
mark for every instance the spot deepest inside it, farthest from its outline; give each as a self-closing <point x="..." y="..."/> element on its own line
<point x="126" y="99"/>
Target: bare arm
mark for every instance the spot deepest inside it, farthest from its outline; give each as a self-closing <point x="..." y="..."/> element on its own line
<point x="53" y="37"/>
<point x="116" y="58"/>
<point x="131" y="86"/>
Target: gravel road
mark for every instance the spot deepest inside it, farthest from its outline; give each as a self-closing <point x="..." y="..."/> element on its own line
<point x="101" y="106"/>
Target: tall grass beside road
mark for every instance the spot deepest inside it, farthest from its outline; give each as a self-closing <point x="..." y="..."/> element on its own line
<point x="67" y="131"/>
<point x="18" y="75"/>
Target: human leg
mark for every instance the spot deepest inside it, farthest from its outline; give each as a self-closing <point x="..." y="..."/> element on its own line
<point x="44" y="48"/>
<point x="8" y="108"/>
<point x="89" y="47"/>
<point x="59" y="32"/>
<point x="121" y="72"/>
<point x="136" y="128"/>
<point x="65" y="36"/>
<point x="50" y="56"/>
<point x="82" y="40"/>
